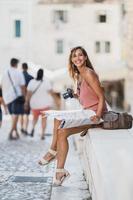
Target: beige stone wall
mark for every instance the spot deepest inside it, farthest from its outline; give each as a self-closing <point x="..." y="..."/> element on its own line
<point x="128" y="38"/>
<point x="129" y="32"/>
<point x="74" y="1"/>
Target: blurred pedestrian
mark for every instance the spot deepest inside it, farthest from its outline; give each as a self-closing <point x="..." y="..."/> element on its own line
<point x="39" y="98"/>
<point x="13" y="88"/>
<point x="24" y="119"/>
<point x="2" y="103"/>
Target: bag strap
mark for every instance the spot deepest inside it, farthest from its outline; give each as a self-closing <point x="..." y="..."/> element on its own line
<point x="37" y="88"/>
<point x="15" y="91"/>
<point x="110" y="111"/>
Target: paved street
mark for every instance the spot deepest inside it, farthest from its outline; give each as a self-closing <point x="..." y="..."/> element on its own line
<point x="18" y="159"/>
<point x="22" y="178"/>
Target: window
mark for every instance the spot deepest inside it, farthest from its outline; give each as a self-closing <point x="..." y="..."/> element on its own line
<point x="17" y="28"/>
<point x="107" y="47"/>
<point x="97" y="47"/>
<point x="59" y="46"/>
<point x="123" y="9"/>
<point x="102" y="47"/>
<point x="102" y="18"/>
<point x="60" y="16"/>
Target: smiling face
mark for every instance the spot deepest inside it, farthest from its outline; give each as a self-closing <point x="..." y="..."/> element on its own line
<point x="78" y="58"/>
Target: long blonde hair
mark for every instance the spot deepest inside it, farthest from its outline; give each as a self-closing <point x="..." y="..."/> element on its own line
<point x="73" y="70"/>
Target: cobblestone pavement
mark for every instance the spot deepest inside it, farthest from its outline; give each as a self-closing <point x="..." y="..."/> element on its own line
<point x="21" y="178"/>
<point x="20" y="175"/>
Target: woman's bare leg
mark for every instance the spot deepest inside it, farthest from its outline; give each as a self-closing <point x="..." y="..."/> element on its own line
<point x="54" y="139"/>
<point x="26" y="118"/>
<point x="48" y="156"/>
<point x="44" y="120"/>
<point x="63" y="146"/>
<point x="34" y="122"/>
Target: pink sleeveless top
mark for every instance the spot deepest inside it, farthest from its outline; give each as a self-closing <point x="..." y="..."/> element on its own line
<point x="88" y="97"/>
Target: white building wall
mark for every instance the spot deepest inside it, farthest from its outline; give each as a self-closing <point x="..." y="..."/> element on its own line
<point x="10" y="46"/>
<point x="129" y="52"/>
<point x="39" y="33"/>
<point x="81" y="29"/>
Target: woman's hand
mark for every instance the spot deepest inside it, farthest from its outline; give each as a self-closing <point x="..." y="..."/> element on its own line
<point x="95" y="118"/>
<point x="76" y="96"/>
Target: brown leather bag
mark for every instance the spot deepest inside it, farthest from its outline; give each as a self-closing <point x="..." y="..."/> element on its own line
<point x="114" y="120"/>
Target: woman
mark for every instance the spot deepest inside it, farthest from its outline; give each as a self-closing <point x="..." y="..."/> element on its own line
<point x="39" y="97"/>
<point x="91" y="97"/>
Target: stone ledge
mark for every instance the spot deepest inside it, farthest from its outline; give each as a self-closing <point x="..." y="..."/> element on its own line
<point x="107" y="161"/>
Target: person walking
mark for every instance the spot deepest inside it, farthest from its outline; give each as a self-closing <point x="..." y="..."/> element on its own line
<point x="91" y="98"/>
<point x="24" y="119"/>
<point x="39" y="98"/>
<point x="13" y="88"/>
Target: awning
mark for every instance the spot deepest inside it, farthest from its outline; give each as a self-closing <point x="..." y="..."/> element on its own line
<point x="111" y="74"/>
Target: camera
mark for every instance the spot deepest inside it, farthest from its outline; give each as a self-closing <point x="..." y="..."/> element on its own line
<point x="68" y="94"/>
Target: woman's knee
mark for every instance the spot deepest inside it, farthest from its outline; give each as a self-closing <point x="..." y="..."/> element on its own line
<point x="62" y="134"/>
<point x="35" y="117"/>
<point x="56" y="121"/>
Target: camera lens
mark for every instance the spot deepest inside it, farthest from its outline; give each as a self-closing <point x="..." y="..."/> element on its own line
<point x="65" y="95"/>
<point x="68" y="94"/>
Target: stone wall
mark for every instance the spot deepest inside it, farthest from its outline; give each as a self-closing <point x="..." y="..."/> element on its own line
<point x="128" y="40"/>
<point x="74" y="1"/>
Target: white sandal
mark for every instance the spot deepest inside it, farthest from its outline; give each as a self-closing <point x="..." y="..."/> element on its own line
<point x="66" y="175"/>
<point x="43" y="161"/>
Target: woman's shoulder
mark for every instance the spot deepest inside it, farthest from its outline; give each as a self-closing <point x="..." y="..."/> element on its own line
<point x="90" y="73"/>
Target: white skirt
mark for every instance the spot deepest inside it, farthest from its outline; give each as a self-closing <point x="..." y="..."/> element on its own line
<point x="72" y="118"/>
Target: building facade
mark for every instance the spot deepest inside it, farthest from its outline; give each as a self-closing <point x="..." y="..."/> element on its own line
<point x="44" y="31"/>
<point x="128" y="41"/>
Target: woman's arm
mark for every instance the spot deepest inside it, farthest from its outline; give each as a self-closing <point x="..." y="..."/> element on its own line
<point x="75" y="95"/>
<point x="92" y="79"/>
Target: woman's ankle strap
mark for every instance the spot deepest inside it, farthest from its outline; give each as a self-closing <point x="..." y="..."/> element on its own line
<point x="60" y="170"/>
<point x="51" y="151"/>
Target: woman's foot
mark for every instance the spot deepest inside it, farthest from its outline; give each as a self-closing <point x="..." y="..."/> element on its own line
<point x="13" y="135"/>
<point x="32" y="133"/>
<point x="61" y="176"/>
<point x="48" y="157"/>
<point x="42" y="136"/>
<point x="24" y="131"/>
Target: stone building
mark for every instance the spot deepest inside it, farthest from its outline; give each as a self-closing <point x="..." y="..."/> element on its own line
<point x="128" y="42"/>
<point x="43" y="32"/>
